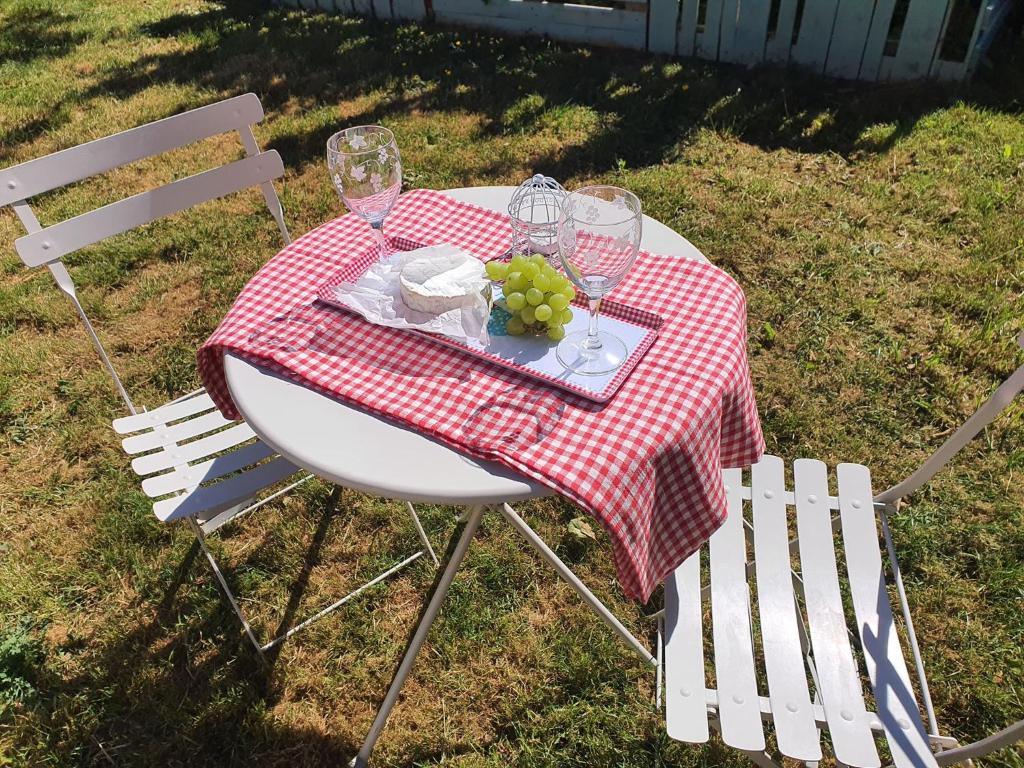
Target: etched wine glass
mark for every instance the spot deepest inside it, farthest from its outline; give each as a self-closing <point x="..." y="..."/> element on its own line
<point x="598" y="240"/>
<point x="366" y="169"/>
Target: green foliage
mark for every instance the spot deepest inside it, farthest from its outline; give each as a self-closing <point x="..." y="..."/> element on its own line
<point x="21" y="656"/>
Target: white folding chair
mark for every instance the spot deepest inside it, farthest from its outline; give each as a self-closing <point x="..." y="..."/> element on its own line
<point x="197" y="465"/>
<point x="811" y="657"/>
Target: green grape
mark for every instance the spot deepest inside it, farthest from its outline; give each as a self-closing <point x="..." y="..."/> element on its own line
<point x="515" y="301"/>
<point x="543" y="313"/>
<point x="559" y="283"/>
<point x="496" y="270"/>
<point x="518" y="262"/>
<point x="556" y="333"/>
<point x="515" y="327"/>
<point x="517" y="280"/>
<point x="550" y="271"/>
<point x="534" y="296"/>
<point x="558" y="301"/>
<point x="531" y="271"/>
<point x="542" y="282"/>
<point x="539" y="260"/>
<point x="507" y="290"/>
<point x="566" y="316"/>
<point x="528" y="314"/>
<point x="569" y="293"/>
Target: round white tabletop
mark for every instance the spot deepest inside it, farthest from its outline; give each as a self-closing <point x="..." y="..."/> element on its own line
<point x="358" y="450"/>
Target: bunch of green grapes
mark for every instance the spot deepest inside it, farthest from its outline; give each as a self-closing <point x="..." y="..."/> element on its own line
<point x="536" y="295"/>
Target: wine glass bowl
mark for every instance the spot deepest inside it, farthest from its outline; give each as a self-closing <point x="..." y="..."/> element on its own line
<point x="366" y="169"/>
<point x="598" y="240"/>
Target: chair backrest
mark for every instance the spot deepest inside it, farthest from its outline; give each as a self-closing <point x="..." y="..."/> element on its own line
<point x="47" y="246"/>
<point x="984" y="416"/>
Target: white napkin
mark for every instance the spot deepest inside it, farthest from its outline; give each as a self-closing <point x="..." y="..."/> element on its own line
<point x="377" y="296"/>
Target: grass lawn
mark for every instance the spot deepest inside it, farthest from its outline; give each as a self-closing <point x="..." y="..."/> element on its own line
<point x="878" y="232"/>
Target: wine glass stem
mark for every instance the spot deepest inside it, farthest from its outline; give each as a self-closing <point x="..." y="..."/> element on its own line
<point x="378" y="232"/>
<point x="593" y="341"/>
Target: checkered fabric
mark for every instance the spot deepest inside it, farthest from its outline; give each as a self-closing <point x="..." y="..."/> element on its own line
<point x="647" y="464"/>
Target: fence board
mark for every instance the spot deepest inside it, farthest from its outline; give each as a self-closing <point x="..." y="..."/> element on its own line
<point x="576" y="23"/>
<point x="841" y="38"/>
<point x="687" y="36"/>
<point x="815" y="32"/>
<point x="919" y="39"/>
<point x="412" y="10"/>
<point x="997" y="13"/>
<point x="777" y="49"/>
<point x="705" y="44"/>
<point x="946" y="69"/>
<point x="661" y="37"/>
<point x="878" y="33"/>
<point x="849" y="34"/>
<point x="727" y="31"/>
<point x="751" y="31"/>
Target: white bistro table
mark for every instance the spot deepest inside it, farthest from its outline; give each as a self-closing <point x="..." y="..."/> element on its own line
<point x="353" y="448"/>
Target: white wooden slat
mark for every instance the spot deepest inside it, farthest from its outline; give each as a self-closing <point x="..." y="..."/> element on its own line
<point x="193" y="451"/>
<point x="840" y="688"/>
<point x="408" y="9"/>
<point x="894" y="697"/>
<point x="739" y="711"/>
<point x="76" y="163"/>
<point x="706" y="41"/>
<point x="878" y="33"/>
<point x="688" y="27"/>
<point x="792" y="711"/>
<point x="849" y="36"/>
<point x="777" y="48"/>
<point x="661" y="26"/>
<point x="751" y="32"/>
<point x="536" y="15"/>
<point x="727" y="30"/>
<point x="177" y="433"/>
<point x="165" y="414"/>
<point x="919" y="39"/>
<point x="686" y="714"/>
<point x="213" y="498"/>
<point x="812" y="41"/>
<point x="996" y="13"/>
<point x="52" y="243"/>
<point x="196" y="474"/>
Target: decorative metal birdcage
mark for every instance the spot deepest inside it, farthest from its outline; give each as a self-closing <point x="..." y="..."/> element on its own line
<point x="534" y="211"/>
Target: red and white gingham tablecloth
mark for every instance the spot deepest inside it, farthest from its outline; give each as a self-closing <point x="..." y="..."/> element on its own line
<point x="647" y="464"/>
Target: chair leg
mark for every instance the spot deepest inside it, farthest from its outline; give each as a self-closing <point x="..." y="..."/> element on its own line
<point x="198" y="531"/>
<point x="200" y="534"/>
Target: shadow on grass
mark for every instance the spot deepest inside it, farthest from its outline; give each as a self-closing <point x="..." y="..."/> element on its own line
<point x="186" y="687"/>
<point x="645" y="107"/>
<point x="31" y="32"/>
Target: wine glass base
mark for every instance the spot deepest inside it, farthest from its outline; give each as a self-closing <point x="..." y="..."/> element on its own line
<point x="574" y="355"/>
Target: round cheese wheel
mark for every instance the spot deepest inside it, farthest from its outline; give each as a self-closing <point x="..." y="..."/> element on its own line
<point x="440" y="278"/>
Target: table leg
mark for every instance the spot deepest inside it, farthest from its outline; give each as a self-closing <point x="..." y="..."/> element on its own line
<point x="436" y="600"/>
<point x="573" y="581"/>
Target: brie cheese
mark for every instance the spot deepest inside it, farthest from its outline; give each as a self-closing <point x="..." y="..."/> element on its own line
<point x="440" y="278"/>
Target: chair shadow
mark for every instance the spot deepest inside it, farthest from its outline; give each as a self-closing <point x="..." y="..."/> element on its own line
<point x="300" y="584"/>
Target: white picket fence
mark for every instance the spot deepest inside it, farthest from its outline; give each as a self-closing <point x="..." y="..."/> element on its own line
<point x="853" y="39"/>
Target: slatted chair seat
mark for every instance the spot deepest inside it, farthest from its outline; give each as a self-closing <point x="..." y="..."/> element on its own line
<point x="802" y="626"/>
<point x="801" y="638"/>
<point x="198" y="464"/>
